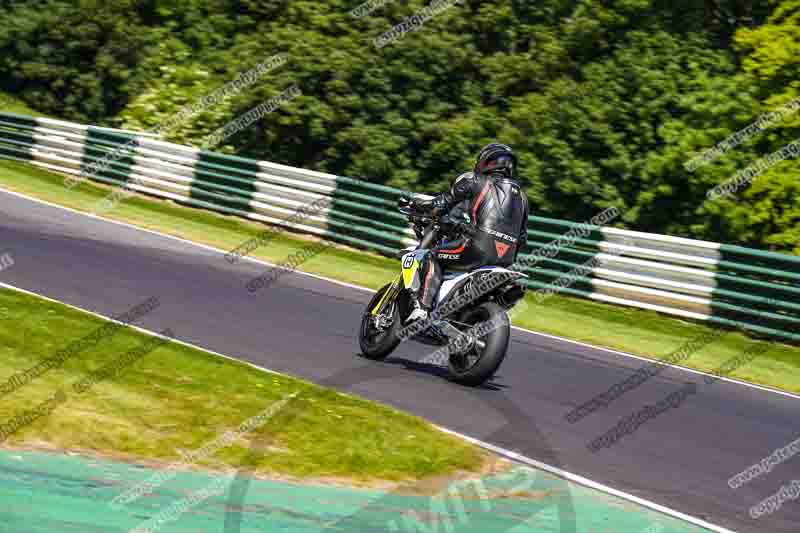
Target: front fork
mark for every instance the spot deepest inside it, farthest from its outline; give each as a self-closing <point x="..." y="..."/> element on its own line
<point x="388" y="297"/>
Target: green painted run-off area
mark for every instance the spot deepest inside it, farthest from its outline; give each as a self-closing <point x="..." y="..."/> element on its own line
<point x="51" y="493"/>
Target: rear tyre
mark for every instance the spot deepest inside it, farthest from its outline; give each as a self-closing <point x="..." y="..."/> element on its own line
<point x="478" y="364"/>
<point x="376" y="344"/>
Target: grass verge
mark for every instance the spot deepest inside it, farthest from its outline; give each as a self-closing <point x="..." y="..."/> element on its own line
<point x="179" y="398"/>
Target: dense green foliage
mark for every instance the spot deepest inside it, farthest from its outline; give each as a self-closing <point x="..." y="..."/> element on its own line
<point x="605" y="101"/>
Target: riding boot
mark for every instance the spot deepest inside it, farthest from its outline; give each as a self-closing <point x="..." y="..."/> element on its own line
<point x="418" y="312"/>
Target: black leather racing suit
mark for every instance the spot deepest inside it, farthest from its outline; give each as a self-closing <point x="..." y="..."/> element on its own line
<point x="499" y="209"/>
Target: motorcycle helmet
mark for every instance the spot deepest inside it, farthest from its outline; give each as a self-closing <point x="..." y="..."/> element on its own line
<point x="496" y="157"/>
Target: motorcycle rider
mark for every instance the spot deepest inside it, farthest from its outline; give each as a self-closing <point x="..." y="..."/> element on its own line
<point x="499" y="212"/>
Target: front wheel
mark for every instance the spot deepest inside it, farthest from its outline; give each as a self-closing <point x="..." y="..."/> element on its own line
<point x="489" y="327"/>
<point x="379" y="335"/>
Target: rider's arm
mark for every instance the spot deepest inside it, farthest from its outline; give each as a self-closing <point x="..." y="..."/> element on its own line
<point x="463" y="188"/>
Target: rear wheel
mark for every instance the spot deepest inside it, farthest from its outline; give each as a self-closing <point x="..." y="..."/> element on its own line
<point x="484" y="353"/>
<point x="379" y="335"/>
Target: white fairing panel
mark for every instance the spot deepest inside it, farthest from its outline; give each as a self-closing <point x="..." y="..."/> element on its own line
<point x="447" y="286"/>
<point x="452" y="280"/>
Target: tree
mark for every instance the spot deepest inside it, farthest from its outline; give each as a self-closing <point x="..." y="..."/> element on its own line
<point x="73" y="61"/>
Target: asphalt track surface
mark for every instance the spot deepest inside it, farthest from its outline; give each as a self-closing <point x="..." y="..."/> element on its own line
<point x="304" y="326"/>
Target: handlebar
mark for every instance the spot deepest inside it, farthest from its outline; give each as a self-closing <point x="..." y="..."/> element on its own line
<point x="428" y="226"/>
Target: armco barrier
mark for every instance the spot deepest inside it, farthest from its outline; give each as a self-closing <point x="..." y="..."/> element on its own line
<point x="722" y="284"/>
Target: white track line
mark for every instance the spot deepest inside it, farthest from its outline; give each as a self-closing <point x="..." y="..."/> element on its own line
<point x="575" y="478"/>
<point x="350" y="285"/>
<point x="580" y="480"/>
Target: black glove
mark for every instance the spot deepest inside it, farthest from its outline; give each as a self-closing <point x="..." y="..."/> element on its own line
<point x="436" y="206"/>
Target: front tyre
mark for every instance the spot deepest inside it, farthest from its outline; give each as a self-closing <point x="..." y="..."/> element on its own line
<point x="378" y="337"/>
<point x="478" y="363"/>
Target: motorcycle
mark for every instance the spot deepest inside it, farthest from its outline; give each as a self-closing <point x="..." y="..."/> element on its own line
<point x="469" y="318"/>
